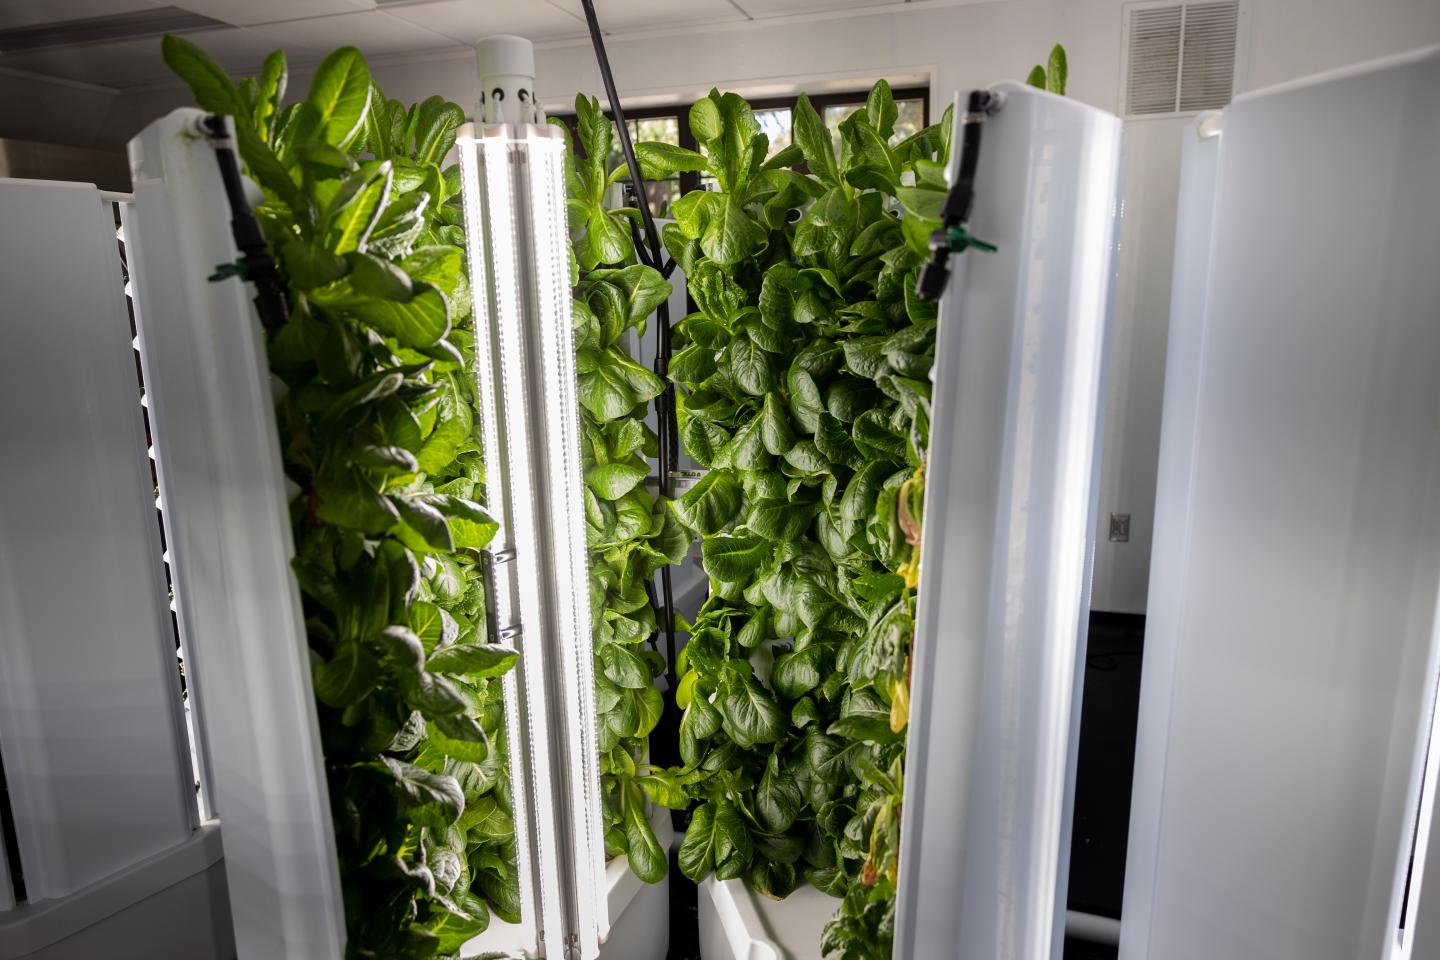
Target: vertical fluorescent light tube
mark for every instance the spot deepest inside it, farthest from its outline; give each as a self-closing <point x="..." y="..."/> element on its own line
<point x="510" y="325"/>
<point x="519" y="251"/>
<point x="568" y="544"/>
<point x="502" y="610"/>
<point x="506" y="269"/>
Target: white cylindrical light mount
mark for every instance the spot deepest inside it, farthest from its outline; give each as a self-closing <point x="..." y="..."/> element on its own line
<point x="506" y="66"/>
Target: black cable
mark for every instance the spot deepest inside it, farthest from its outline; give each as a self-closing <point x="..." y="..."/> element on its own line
<point x="959" y="201"/>
<point x="667" y="750"/>
<point x="598" y="41"/>
<point x="255" y="264"/>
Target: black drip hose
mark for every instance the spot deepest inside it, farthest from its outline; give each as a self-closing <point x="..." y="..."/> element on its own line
<point x="667" y="747"/>
<point x="598" y="41"/>
<point x="256" y="264"/>
<point x="960" y="200"/>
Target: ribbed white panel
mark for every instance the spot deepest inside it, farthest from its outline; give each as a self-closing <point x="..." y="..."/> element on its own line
<point x="1207" y="56"/>
<point x="95" y="751"/>
<point x="229" y="528"/>
<point x="1153" y="69"/>
<point x="1180" y="57"/>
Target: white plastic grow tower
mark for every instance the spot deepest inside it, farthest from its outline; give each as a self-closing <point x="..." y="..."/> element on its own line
<point x="1003" y="586"/>
<point x="111" y="842"/>
<point x="1284" y="778"/>
<point x="121" y="853"/>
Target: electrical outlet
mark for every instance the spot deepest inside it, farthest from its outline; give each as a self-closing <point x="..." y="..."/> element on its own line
<point x="1120" y="528"/>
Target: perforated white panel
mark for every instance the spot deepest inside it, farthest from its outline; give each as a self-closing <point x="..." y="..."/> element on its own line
<point x="1180" y="58"/>
<point x="1207" y="56"/>
<point x="1153" y="76"/>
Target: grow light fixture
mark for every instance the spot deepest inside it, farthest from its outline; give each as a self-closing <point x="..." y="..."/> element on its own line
<point x="513" y="180"/>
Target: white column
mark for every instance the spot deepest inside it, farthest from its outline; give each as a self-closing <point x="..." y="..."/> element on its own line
<point x="231" y="548"/>
<point x="1006" y="538"/>
<point x="1294" y="608"/>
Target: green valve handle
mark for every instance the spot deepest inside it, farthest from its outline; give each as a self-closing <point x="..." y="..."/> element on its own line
<point x="935" y="274"/>
<point x="960" y="239"/>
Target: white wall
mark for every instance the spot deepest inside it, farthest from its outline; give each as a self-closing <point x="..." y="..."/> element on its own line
<point x="961" y="46"/>
<point x="1151" y="172"/>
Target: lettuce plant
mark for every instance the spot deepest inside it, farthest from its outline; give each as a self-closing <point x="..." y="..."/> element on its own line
<point x="377" y="429"/>
<point x="631" y="533"/>
<point x="804" y="390"/>
<point x="1051" y="77"/>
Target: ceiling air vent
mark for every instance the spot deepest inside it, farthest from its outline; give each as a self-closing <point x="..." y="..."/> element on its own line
<point x="1180" y="57"/>
<point x="135" y="25"/>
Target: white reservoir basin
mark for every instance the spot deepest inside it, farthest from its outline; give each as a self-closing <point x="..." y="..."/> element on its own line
<point x="639" y="912"/>
<point x="739" y="924"/>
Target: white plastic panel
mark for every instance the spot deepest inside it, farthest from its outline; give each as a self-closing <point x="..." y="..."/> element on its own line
<point x="1424" y="902"/>
<point x="1298" y="602"/>
<point x="639" y="912"/>
<point x="1017" y="385"/>
<point x="169" y="905"/>
<point x="94" y="745"/>
<point x="1194" y="218"/>
<point x="736" y="923"/>
<point x="229" y="530"/>
<point x="7" y="890"/>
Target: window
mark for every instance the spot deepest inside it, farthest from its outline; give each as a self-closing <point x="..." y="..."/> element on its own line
<point x="666" y="129"/>
<point x="911" y="119"/>
<point x="775" y="115"/>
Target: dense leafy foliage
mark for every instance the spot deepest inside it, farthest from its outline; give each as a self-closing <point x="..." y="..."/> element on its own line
<point x="805" y="391"/>
<point x="376" y="426"/>
<point x="631" y="534"/>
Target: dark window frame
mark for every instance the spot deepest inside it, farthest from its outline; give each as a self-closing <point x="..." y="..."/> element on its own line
<point x="690" y="180"/>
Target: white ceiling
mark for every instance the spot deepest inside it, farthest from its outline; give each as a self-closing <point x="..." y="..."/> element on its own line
<point x="308" y="29"/>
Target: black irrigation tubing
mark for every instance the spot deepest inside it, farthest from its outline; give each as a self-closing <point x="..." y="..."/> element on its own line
<point x="668" y="432"/>
<point x="960" y="200"/>
<point x="256" y="264"/>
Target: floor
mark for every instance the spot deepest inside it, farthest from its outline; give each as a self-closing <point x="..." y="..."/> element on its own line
<point x="684" y="912"/>
<point x="1107" y="760"/>
<point x="1080" y="950"/>
<point x="1108" y="717"/>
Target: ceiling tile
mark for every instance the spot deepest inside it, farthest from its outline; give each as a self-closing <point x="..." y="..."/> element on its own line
<point x="467" y="21"/>
<point x="775" y="8"/>
<point x="107" y="64"/>
<point x="30" y="13"/>
<point x="134" y="63"/>
<point x="375" y="33"/>
<point x="244" y="13"/>
<point x="639" y="14"/>
<point x="239" y="51"/>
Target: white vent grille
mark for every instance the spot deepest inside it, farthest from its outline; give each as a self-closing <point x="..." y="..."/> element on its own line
<point x="1154" y="75"/>
<point x="1207" y="55"/>
<point x="1180" y="58"/>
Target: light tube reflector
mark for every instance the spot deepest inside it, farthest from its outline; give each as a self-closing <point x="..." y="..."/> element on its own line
<point x="520" y="266"/>
<point x="501" y="599"/>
